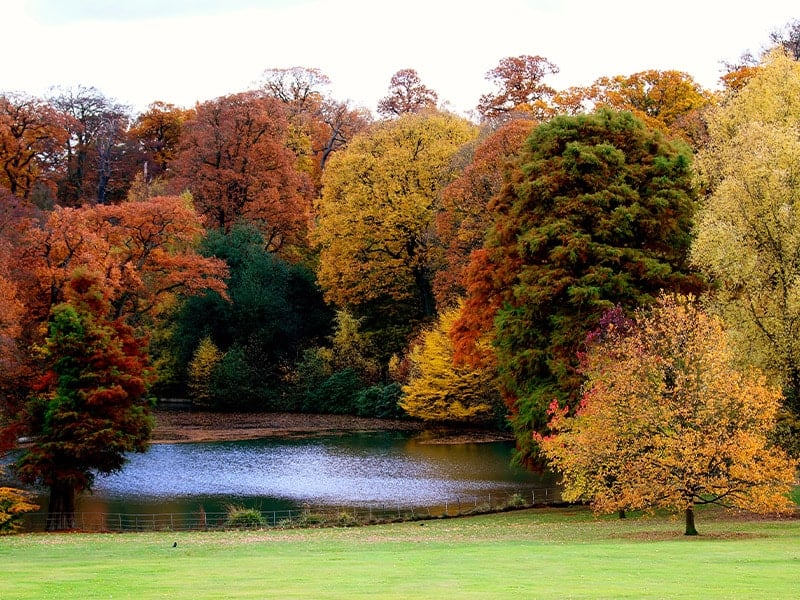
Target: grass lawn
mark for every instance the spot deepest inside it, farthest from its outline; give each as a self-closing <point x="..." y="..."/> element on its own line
<point x="543" y="553"/>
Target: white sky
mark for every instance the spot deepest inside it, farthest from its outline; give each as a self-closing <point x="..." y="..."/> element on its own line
<point x="184" y="51"/>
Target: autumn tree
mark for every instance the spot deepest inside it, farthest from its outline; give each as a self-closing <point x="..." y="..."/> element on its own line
<point x="438" y="389"/>
<point x="668" y="100"/>
<point x="146" y="252"/>
<point x="91" y="406"/>
<point x="96" y="129"/>
<point x="375" y="219"/>
<point x="464" y="218"/>
<point x="157" y="131"/>
<point x="748" y="233"/>
<point x="320" y="124"/>
<point x="519" y="88"/>
<point x="596" y="213"/>
<point x="667" y="420"/>
<point x="31" y="133"/>
<point x="234" y="159"/>
<point x="201" y="370"/>
<point x="407" y="94"/>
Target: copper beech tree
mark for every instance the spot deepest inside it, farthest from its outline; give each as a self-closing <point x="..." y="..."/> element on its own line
<point x="667" y="420"/>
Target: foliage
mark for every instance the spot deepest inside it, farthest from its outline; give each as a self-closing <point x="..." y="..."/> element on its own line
<point x="380" y="401"/>
<point x="14" y="504"/>
<point x="520" y="88"/>
<point x="376" y="217"/>
<point x="464" y="218"/>
<point x="206" y="358"/>
<point x="158" y="132"/>
<point x="144" y="250"/>
<point x="336" y="394"/>
<point x="350" y="349"/>
<point x="244" y="518"/>
<point x="273" y="311"/>
<point x="30" y="132"/>
<point x="748" y="233"/>
<point x="667" y="100"/>
<point x="438" y="390"/>
<point x="91" y="408"/>
<point x="234" y="159"/>
<point x="668" y="421"/>
<point x="597" y="212"/>
<point x="407" y="94"/>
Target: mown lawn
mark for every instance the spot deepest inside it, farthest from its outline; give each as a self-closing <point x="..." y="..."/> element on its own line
<point x="543" y="553"/>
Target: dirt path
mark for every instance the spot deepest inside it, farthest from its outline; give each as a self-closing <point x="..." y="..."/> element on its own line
<point x="173" y="426"/>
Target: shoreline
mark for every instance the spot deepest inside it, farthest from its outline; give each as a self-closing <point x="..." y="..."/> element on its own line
<point x="184" y="426"/>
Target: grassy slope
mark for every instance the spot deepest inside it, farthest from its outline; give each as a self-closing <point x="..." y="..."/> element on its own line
<point x="528" y="554"/>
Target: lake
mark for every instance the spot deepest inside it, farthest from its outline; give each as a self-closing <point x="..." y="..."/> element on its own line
<point x="362" y="469"/>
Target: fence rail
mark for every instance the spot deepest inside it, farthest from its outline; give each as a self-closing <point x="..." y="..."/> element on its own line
<point x="306" y="516"/>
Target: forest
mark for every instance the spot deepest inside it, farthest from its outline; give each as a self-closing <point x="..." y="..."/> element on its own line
<point x="276" y="249"/>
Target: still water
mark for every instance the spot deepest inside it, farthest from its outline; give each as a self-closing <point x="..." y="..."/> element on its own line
<point x="369" y="469"/>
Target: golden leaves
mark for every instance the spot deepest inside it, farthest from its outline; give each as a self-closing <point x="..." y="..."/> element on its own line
<point x="669" y="421"/>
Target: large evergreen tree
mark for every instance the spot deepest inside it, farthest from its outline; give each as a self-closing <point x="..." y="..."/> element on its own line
<point x="597" y="213"/>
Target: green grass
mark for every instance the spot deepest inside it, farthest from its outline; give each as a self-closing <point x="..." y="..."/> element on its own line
<point x="544" y="553"/>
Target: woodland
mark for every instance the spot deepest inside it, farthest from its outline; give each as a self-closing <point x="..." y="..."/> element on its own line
<point x="532" y="268"/>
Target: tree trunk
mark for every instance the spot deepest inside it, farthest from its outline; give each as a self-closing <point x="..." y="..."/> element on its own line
<point x="621" y="513"/>
<point x="61" y="511"/>
<point x="690" y="528"/>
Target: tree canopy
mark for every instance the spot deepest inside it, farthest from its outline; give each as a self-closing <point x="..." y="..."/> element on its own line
<point x="598" y="212"/>
<point x="376" y="215"/>
<point x="667" y="420"/>
<point x="748" y="233"/>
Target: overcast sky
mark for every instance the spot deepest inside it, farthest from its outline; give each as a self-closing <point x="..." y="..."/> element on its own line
<point x="185" y="51"/>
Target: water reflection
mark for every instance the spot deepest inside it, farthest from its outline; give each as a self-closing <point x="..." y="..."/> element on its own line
<point x="359" y="469"/>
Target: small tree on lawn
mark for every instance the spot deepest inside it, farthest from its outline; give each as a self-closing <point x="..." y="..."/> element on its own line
<point x="91" y="408"/>
<point x="667" y="420"/>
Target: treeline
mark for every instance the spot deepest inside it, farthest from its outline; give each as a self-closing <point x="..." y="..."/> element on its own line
<point x="277" y="249"/>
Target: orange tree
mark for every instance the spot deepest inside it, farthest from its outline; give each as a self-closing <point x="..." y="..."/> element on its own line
<point x="92" y="280"/>
<point x="234" y="158"/>
<point x="597" y="212"/>
<point x="667" y="420"/>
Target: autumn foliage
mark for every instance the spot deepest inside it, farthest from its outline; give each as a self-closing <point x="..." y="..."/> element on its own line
<point x="668" y="420"/>
<point x="438" y="389"/>
<point x="597" y="212"/>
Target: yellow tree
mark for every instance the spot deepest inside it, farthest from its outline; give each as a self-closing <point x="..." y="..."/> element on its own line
<point x="201" y="369"/>
<point x="667" y="420"/>
<point x="748" y="230"/>
<point x="439" y="390"/>
<point x="375" y="227"/>
<point x="666" y="100"/>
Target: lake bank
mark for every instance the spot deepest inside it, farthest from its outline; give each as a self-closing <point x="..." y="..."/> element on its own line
<point x="177" y="426"/>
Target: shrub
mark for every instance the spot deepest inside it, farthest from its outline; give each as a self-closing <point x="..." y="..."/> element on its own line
<point x="239" y="516"/>
<point x="380" y="401"/>
<point x="13" y="504"/>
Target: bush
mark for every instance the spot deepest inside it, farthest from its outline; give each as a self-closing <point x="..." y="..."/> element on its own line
<point x="380" y="401"/>
<point x="13" y="504"/>
<point x="335" y="395"/>
<point x="245" y="518"/>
